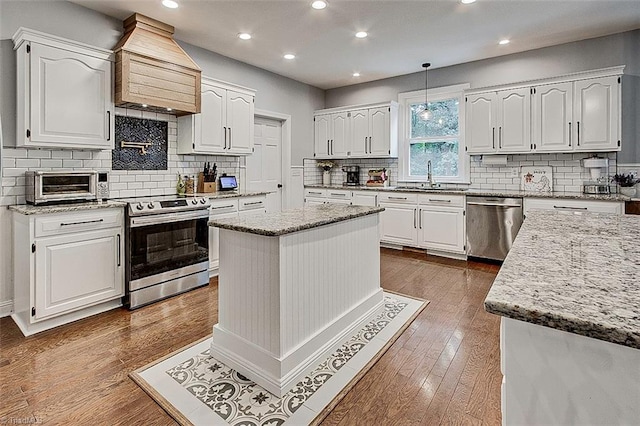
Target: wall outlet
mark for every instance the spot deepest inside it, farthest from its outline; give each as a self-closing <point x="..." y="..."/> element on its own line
<point x="515" y="172"/>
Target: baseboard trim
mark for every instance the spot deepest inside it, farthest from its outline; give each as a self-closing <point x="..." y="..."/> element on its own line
<point x="6" y="308"/>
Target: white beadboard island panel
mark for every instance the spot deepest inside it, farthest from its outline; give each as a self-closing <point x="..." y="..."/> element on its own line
<point x="286" y="301"/>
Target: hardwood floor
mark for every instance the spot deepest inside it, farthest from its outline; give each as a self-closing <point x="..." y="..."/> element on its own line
<point x="444" y="369"/>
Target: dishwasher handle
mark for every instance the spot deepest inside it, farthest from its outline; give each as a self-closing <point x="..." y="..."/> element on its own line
<point x="474" y="203"/>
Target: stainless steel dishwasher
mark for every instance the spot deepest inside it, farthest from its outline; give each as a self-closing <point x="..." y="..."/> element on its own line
<point x="492" y="225"/>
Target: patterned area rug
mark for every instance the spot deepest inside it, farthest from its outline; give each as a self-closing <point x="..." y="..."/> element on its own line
<point x="196" y="389"/>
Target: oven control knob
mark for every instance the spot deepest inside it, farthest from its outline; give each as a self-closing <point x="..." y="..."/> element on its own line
<point x="150" y="205"/>
<point x="203" y="200"/>
<point x="194" y="201"/>
<point x="139" y="206"/>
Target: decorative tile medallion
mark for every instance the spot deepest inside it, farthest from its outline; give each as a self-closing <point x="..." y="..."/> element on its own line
<point x="239" y="401"/>
<point x="138" y="130"/>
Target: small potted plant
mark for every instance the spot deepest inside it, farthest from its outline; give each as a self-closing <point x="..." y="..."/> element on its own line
<point x="326" y="171"/>
<point x="626" y="182"/>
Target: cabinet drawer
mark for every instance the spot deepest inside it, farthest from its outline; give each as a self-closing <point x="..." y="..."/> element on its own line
<point x="398" y="197"/>
<point x="56" y="224"/>
<point x="315" y="192"/>
<point x="223" y="206"/>
<point x="251" y="203"/>
<point x="341" y="194"/>
<point x="573" y="206"/>
<point x="441" y="200"/>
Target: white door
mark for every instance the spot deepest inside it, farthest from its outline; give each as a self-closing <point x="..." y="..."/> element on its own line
<point x="239" y="122"/>
<point x="264" y="166"/>
<point x="441" y="228"/>
<point x="359" y="132"/>
<point x="379" y="134"/>
<point x="339" y="146"/>
<point x="552" y="117"/>
<point x="514" y="120"/>
<point x="210" y="124"/>
<point x="597" y="114"/>
<point x="480" y="122"/>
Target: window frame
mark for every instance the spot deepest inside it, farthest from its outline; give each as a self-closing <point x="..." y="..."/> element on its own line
<point x="404" y="128"/>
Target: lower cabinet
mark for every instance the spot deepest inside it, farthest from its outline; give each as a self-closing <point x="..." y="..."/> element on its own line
<point x="441" y="228"/>
<point x="65" y="263"/>
<point x="364" y="198"/>
<point x="399" y="220"/>
<point x="229" y="208"/>
<point x="573" y="206"/>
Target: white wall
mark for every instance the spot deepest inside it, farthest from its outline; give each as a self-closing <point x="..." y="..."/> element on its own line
<point x="68" y="20"/>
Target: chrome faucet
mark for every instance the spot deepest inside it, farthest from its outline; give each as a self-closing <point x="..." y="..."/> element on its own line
<point x="430" y="175"/>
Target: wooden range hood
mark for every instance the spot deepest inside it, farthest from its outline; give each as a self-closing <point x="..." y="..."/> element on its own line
<point x="152" y="69"/>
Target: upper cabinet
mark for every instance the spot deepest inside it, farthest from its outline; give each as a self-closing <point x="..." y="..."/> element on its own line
<point x="64" y="93"/>
<point x="225" y="124"/>
<point x="357" y="132"/>
<point x="581" y="114"/>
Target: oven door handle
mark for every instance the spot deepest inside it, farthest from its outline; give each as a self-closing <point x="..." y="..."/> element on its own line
<point x="156" y="219"/>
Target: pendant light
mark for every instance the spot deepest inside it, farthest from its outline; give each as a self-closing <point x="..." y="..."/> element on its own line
<point x="426" y="114"/>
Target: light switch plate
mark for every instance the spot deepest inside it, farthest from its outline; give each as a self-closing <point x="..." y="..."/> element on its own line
<point x="515" y="172"/>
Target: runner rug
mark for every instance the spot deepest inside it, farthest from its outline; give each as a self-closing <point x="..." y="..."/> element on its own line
<point x="196" y="389"/>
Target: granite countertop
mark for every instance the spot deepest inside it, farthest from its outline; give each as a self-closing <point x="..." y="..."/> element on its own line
<point x="574" y="272"/>
<point x="484" y="192"/>
<point x="289" y="221"/>
<point x="228" y="194"/>
<point x="28" y="209"/>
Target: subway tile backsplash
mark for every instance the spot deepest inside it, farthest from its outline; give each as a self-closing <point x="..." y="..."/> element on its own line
<point x="568" y="173"/>
<point x="122" y="183"/>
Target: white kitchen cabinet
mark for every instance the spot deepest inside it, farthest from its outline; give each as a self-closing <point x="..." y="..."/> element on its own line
<point x="225" y="123"/>
<point x="441" y="222"/>
<point x="552" y="117"/>
<point x="499" y="122"/>
<point x="573" y="206"/>
<point x="314" y="196"/>
<point x="331" y="133"/>
<point x="399" y="220"/>
<point x="364" y="198"/>
<point x="357" y="132"/>
<point x="224" y="208"/>
<point x="339" y="196"/>
<point x="64" y="93"/>
<point x="67" y="266"/>
<point x="597" y="114"/>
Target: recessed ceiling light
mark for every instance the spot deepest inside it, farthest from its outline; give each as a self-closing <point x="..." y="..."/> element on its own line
<point x="144" y="105"/>
<point x="170" y="4"/>
<point x="356" y="74"/>
<point x="504" y="41"/>
<point x="361" y="34"/>
<point x="289" y="56"/>
<point x="467" y="1"/>
<point x="319" y="4"/>
<point x="244" y="36"/>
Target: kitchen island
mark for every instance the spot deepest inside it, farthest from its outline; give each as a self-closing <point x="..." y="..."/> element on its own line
<point x="292" y="286"/>
<point x="569" y="295"/>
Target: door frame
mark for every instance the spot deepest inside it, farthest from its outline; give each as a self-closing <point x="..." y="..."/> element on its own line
<point x="285" y="152"/>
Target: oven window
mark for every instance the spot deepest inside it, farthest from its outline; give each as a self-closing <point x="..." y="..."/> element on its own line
<point x="69" y="184"/>
<point x="167" y="246"/>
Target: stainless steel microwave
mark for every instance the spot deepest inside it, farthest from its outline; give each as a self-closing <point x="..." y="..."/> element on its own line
<point x="46" y="187"/>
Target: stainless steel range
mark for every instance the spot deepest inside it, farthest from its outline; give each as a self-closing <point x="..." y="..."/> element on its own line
<point x="167" y="247"/>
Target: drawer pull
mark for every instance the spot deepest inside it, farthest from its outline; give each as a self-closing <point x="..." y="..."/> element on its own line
<point x="315" y="193"/>
<point x="81" y="223"/>
<point x="253" y="204"/>
<point x="397" y="198"/>
<point x="119" y="242"/>
<point x="570" y="208"/>
<point x="439" y="201"/>
<point x="339" y="195"/>
<point x="222" y="207"/>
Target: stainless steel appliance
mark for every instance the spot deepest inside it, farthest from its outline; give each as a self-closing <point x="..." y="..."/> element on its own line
<point x="492" y="225"/>
<point x="62" y="186"/>
<point x="167" y="247"/>
<point x="351" y="175"/>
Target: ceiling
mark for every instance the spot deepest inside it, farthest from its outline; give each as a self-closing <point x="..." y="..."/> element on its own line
<point x="402" y="34"/>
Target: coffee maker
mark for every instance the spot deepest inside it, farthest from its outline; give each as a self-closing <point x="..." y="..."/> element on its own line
<point x="599" y="173"/>
<point x="351" y="175"/>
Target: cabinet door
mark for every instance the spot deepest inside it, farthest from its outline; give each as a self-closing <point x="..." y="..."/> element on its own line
<point x="379" y="132"/>
<point x="322" y="131"/>
<point x="398" y="224"/>
<point x="209" y="133"/>
<point x="214" y="240"/>
<point x="441" y="228"/>
<point x="339" y="146"/>
<point x="74" y="271"/>
<point x="364" y="198"/>
<point x="514" y="121"/>
<point x="70" y="100"/>
<point x="553" y="117"/>
<point x="480" y="123"/>
<point x="597" y="114"/>
<point x="573" y="206"/>
<point x="240" y="111"/>
<point x="310" y="201"/>
<point x="359" y="133"/>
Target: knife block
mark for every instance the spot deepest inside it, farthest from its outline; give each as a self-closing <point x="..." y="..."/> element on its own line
<point x="205" y="187"/>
